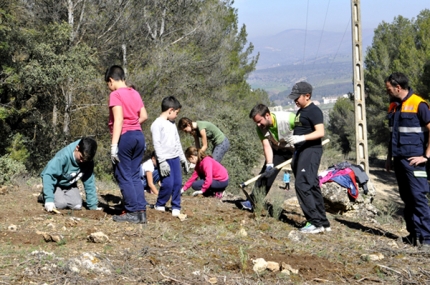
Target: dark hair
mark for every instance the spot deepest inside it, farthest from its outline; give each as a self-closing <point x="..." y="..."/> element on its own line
<point x="259" y="109"/>
<point x="115" y="72"/>
<point x="88" y="148"/>
<point x="398" y="78"/>
<point x="148" y="156"/>
<point x="196" y="152"/>
<point x="170" y="102"/>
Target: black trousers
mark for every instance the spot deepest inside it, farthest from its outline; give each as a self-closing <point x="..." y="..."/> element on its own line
<point x="305" y="168"/>
<point x="278" y="158"/>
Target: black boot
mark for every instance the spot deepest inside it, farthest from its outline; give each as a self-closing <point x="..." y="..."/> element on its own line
<point x="127" y="217"/>
<point x="142" y="217"/>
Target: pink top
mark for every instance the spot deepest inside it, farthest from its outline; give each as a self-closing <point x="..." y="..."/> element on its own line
<point x="211" y="170"/>
<point x="131" y="103"/>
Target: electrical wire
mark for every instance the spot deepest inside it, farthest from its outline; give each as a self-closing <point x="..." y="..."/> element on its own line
<point x="341" y="42"/>
<point x="322" y="32"/>
<point x="306" y="32"/>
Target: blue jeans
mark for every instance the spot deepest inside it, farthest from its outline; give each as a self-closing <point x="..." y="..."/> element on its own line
<point x="131" y="147"/>
<point x="216" y="186"/>
<point x="171" y="185"/>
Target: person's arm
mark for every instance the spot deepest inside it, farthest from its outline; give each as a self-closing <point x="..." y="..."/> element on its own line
<point x="204" y="140"/>
<point x="197" y="141"/>
<point x="268" y="151"/>
<point x="50" y="177"/>
<point x="421" y="159"/>
<point x="190" y="181"/>
<point x="317" y="134"/>
<point x="150" y="181"/>
<point x="118" y="120"/>
<point x="208" y="172"/>
<point x="90" y="191"/>
<point x="143" y="115"/>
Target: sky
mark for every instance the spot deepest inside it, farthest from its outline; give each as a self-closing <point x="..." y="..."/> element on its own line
<point x="269" y="17"/>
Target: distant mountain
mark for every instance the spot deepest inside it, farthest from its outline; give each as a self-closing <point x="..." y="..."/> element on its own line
<point x="323" y="59"/>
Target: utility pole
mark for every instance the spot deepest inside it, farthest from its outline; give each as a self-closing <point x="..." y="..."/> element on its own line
<point x="358" y="74"/>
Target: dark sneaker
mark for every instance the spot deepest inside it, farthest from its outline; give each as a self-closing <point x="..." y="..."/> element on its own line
<point x="127" y="217"/>
<point x="142" y="217"/>
<point x="246" y="205"/>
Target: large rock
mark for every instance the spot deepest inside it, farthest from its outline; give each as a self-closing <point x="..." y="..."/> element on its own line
<point x="337" y="201"/>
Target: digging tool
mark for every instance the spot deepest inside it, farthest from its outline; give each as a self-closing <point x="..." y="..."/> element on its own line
<point x="279" y="166"/>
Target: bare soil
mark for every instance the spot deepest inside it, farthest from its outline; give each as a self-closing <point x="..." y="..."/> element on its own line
<point x="215" y="244"/>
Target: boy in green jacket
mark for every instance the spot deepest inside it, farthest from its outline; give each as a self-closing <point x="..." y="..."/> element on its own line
<point x="62" y="173"/>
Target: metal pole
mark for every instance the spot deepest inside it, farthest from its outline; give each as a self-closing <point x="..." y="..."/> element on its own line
<point x="358" y="74"/>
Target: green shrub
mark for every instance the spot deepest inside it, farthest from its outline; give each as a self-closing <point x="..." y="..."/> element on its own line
<point x="9" y="168"/>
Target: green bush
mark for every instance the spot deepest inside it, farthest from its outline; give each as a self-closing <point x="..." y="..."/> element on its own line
<point x="9" y="168"/>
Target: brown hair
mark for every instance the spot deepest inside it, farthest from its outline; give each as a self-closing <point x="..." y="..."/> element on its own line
<point x="185" y="122"/>
<point x="196" y="152"/>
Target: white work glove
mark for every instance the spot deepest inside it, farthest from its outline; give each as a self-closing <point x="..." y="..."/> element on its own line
<point x="182" y="191"/>
<point x="164" y="169"/>
<point x="296" y="139"/>
<point x="197" y="193"/>
<point x="49" y="206"/>
<point x="114" y="153"/>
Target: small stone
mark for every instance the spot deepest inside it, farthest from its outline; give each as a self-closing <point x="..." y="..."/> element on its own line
<point x="259" y="265"/>
<point x="182" y="217"/>
<point x="273" y="266"/>
<point x="98" y="237"/>
<point x="242" y="232"/>
<point x="12" y="228"/>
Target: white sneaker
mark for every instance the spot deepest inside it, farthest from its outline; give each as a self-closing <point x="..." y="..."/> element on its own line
<point x="160" y="208"/>
<point x="327" y="229"/>
<point x="176" y="212"/>
<point x="312" y="229"/>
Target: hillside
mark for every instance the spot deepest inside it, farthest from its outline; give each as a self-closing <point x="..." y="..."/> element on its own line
<point x="326" y="62"/>
<point x="215" y="244"/>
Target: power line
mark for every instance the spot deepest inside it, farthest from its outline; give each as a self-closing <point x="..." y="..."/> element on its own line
<point x="322" y="32"/>
<point x="306" y="32"/>
<point x="341" y="41"/>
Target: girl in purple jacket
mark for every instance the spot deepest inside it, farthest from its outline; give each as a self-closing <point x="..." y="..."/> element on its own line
<point x="214" y="176"/>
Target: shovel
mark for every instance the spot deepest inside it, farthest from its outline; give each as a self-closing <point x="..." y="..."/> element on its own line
<point x="279" y="166"/>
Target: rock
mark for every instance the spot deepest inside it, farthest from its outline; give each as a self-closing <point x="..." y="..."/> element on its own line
<point x="182" y="217"/>
<point x="12" y="228"/>
<point x="273" y="266"/>
<point x="287" y="269"/>
<point x="372" y="257"/>
<point x="87" y="261"/>
<point x="3" y="190"/>
<point x="337" y="201"/>
<point x="98" y="237"/>
<point x="259" y="265"/>
<point x="242" y="232"/>
<point x="295" y="236"/>
<point x="52" y="237"/>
